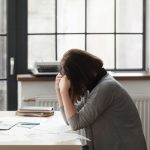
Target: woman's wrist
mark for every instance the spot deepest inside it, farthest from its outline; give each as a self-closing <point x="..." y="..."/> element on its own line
<point x="57" y="88"/>
<point x="64" y="93"/>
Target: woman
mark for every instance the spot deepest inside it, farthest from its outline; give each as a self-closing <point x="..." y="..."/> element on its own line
<point x="90" y="99"/>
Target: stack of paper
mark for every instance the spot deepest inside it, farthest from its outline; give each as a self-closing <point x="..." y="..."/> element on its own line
<point x="35" y="111"/>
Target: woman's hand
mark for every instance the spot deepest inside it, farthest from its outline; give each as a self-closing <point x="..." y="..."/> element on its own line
<point x="64" y="84"/>
<point x="57" y="81"/>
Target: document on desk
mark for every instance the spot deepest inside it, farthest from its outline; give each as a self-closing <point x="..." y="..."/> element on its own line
<point x="22" y="131"/>
<point x="57" y="131"/>
<point x="50" y="130"/>
<point x="28" y="125"/>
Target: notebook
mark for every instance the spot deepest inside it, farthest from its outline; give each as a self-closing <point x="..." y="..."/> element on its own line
<point x="35" y="111"/>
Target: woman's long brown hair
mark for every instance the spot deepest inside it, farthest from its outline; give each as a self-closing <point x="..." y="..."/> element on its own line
<point x="83" y="70"/>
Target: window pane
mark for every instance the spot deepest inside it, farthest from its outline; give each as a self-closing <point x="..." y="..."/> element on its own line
<point x="129" y="51"/>
<point x="100" y="16"/>
<point x="3" y="53"/>
<point x="3" y="95"/>
<point x="103" y="47"/>
<point x="40" y="49"/>
<point x="71" y="16"/>
<point x="66" y="42"/>
<point x="129" y="15"/>
<point x="3" y="16"/>
<point x="41" y="16"/>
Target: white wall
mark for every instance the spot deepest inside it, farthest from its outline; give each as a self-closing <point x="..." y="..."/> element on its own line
<point x="137" y="89"/>
<point x="34" y="89"/>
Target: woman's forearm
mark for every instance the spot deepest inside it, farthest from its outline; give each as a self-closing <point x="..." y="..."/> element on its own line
<point x="57" y="89"/>
<point x="68" y="105"/>
<point x="59" y="98"/>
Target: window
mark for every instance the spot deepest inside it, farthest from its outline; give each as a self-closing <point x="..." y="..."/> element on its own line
<point x="113" y="30"/>
<point x="3" y="53"/>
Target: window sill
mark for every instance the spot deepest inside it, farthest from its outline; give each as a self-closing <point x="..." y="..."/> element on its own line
<point x="131" y="75"/>
<point x="30" y="77"/>
<point x="117" y="75"/>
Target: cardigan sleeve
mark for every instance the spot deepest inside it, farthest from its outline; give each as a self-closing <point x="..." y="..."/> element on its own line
<point x="78" y="107"/>
<point x="63" y="114"/>
<point x="97" y="102"/>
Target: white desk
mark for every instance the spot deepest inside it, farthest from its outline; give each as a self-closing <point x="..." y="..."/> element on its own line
<point x="51" y="134"/>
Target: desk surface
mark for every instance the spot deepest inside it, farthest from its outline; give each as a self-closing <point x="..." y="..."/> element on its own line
<point x="51" y="134"/>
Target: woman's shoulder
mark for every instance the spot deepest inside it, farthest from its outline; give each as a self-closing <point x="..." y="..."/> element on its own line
<point x="108" y="80"/>
<point x="108" y="83"/>
<point x="107" y="88"/>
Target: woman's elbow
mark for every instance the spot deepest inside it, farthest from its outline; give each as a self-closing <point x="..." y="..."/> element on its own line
<point x="75" y="122"/>
<point x="74" y="127"/>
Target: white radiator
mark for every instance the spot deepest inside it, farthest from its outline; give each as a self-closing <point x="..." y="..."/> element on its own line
<point x="143" y="106"/>
<point x="41" y="101"/>
<point x="47" y="101"/>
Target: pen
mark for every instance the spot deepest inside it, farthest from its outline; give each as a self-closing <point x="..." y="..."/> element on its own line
<point x="29" y="123"/>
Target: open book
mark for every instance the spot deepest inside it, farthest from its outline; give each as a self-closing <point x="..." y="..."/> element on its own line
<point x="35" y="111"/>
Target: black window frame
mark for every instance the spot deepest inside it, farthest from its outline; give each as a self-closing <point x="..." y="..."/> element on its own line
<point x="16" y="48"/>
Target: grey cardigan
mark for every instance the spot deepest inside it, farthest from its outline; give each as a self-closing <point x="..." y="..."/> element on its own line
<point x="110" y="118"/>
